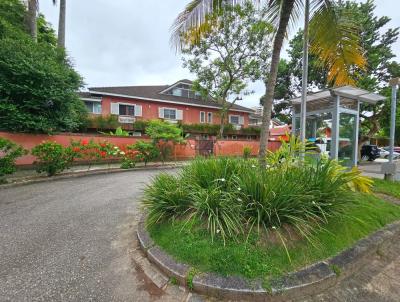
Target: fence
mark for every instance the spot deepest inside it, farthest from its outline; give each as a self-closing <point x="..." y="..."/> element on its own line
<point x="180" y="152"/>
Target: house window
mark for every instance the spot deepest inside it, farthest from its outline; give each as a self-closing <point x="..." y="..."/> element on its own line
<point x="170" y="114"/>
<point x="177" y="92"/>
<point x="126" y="109"/>
<point x="234" y="119"/>
<point x="202" y="117"/>
<point x="183" y="90"/>
<point x="93" y="107"/>
<point x="209" y="117"/>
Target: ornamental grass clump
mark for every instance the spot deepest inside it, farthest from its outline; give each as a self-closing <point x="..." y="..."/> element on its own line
<point x="232" y="197"/>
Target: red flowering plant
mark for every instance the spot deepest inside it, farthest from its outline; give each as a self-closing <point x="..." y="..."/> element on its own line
<point x="91" y="151"/>
<point x="129" y="156"/>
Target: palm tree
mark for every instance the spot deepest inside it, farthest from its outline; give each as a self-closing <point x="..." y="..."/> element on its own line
<point x="61" y="25"/>
<point x="33" y="7"/>
<point x="31" y="18"/>
<point x="332" y="37"/>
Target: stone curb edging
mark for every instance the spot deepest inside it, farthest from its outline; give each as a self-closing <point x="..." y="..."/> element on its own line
<point x="85" y="173"/>
<point x="307" y="281"/>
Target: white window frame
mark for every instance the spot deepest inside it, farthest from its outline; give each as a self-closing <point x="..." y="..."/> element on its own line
<point x="234" y="115"/>
<point x="240" y="119"/>
<point x="137" y="111"/>
<point x="209" y="117"/>
<point x="127" y="104"/>
<point x="93" y="103"/>
<point x="202" y="117"/>
<point x="171" y="109"/>
<point x="178" y="113"/>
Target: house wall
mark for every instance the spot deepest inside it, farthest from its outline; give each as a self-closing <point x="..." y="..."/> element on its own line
<point x="191" y="114"/>
<point x="185" y="151"/>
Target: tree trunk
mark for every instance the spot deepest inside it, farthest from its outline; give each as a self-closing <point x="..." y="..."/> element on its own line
<point x="32" y="14"/>
<point x="61" y="25"/>
<point x="222" y="124"/>
<point x="286" y="10"/>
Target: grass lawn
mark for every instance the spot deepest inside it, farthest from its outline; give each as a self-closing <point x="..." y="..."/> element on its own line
<point x="388" y="187"/>
<point x="254" y="259"/>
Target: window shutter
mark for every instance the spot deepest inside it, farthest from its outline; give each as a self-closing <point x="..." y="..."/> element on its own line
<point x="241" y="120"/>
<point x="230" y="119"/>
<point x="115" y="108"/>
<point x="179" y="115"/>
<point x="161" y="112"/>
<point x="138" y="110"/>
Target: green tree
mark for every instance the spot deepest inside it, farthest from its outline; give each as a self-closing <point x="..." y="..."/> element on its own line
<point x="37" y="82"/>
<point x="377" y="43"/>
<point x="232" y="52"/>
<point x="332" y="37"/>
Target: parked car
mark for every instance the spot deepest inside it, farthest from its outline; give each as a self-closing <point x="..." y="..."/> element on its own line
<point x="395" y="149"/>
<point x="384" y="153"/>
<point x="370" y="152"/>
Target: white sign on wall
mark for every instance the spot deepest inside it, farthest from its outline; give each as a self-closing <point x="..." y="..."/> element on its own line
<point x="126" y="119"/>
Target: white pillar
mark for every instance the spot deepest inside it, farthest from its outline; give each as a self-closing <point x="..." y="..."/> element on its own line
<point x="293" y="122"/>
<point x="356" y="135"/>
<point x="335" y="128"/>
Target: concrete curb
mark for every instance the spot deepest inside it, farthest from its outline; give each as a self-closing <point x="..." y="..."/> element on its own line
<point x="85" y="173"/>
<point x="307" y="281"/>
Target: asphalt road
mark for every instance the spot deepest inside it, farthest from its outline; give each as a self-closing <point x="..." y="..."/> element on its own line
<point x="68" y="240"/>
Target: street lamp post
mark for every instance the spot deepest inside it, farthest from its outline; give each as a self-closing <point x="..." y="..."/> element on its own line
<point x="390" y="168"/>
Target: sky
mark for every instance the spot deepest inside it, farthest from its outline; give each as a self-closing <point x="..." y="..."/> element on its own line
<point x="126" y="42"/>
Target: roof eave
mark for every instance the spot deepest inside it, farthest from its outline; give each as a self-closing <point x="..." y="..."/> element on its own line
<point x="164" y="101"/>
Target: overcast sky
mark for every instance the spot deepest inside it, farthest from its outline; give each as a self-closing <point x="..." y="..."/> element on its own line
<point x="126" y="42"/>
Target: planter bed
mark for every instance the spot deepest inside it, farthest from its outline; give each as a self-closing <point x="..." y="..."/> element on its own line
<point x="256" y="271"/>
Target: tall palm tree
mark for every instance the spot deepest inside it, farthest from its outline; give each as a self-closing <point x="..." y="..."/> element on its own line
<point x="33" y="7"/>
<point x="332" y="37"/>
<point x="31" y="18"/>
<point x="61" y="25"/>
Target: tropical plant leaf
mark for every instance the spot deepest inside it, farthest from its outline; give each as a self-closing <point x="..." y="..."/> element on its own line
<point x="334" y="39"/>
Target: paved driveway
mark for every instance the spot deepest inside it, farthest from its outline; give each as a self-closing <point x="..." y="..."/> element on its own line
<point x="68" y="240"/>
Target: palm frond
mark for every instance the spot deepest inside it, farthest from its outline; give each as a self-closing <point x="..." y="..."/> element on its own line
<point x="334" y="39"/>
<point x="274" y="11"/>
<point x="190" y="23"/>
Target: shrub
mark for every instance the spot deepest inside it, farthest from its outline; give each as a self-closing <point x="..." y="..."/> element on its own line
<point x="52" y="157"/>
<point x="140" y="125"/>
<point x="128" y="163"/>
<point x="9" y="152"/>
<point x="246" y="152"/>
<point x="146" y="151"/>
<point x="232" y="196"/>
<point x="164" y="136"/>
<point x="118" y="132"/>
<point x="104" y="122"/>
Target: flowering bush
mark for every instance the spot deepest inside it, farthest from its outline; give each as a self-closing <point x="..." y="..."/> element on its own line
<point x="52" y="157"/>
<point x="129" y="157"/>
<point x="9" y="152"/>
<point x="91" y="152"/>
<point x="146" y="151"/>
